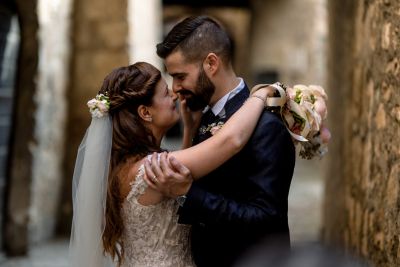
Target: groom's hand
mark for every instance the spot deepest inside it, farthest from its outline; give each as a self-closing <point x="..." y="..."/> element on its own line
<point x="191" y="119"/>
<point x="167" y="176"/>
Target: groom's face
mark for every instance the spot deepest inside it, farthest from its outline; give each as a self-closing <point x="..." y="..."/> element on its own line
<point x="190" y="81"/>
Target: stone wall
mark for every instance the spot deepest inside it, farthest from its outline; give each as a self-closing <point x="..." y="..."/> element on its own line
<point x="362" y="207"/>
<point x="99" y="44"/>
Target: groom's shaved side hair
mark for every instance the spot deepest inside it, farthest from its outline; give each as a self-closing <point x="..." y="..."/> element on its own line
<point x="195" y="37"/>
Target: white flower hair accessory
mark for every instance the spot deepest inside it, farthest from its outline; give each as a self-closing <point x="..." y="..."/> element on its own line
<point x="99" y="106"/>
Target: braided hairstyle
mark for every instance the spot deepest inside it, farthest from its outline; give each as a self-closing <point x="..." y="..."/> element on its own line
<point x="127" y="89"/>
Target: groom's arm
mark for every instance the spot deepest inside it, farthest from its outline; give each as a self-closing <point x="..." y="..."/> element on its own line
<point x="274" y="162"/>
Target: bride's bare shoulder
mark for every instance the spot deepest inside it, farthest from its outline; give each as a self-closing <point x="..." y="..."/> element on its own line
<point x="127" y="176"/>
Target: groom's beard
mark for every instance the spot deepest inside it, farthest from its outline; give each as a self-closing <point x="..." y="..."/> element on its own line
<point x="204" y="91"/>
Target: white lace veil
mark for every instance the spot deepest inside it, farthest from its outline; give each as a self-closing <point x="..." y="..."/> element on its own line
<point x="89" y="193"/>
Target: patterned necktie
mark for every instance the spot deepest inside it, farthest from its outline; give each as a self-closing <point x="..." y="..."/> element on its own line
<point x="208" y="117"/>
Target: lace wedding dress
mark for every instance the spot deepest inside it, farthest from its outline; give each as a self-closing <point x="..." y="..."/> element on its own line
<point x="152" y="236"/>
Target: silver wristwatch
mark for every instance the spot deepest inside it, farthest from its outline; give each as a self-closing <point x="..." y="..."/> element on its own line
<point x="181" y="200"/>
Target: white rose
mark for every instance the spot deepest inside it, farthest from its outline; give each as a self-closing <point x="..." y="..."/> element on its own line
<point x="320" y="107"/>
<point x="318" y="91"/>
<point x="92" y="103"/>
<point x="102" y="107"/>
<point x="300" y="87"/>
<point x="325" y="135"/>
<point x="291" y="93"/>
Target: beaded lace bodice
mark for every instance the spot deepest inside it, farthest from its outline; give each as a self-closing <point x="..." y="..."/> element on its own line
<point x="152" y="236"/>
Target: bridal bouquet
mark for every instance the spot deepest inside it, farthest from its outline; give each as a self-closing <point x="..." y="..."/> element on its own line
<point x="304" y="111"/>
<point x="304" y="114"/>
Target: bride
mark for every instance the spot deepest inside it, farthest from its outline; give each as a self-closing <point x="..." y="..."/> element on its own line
<point x="118" y="220"/>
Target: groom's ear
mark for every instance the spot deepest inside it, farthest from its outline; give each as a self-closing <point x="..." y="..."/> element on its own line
<point x="211" y="64"/>
<point x="144" y="113"/>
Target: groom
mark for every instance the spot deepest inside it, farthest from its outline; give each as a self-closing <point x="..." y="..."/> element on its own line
<point x="245" y="201"/>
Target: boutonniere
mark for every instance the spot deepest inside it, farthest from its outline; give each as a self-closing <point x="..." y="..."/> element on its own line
<point x="213" y="128"/>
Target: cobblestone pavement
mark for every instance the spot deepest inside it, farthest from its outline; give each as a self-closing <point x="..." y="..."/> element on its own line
<point x="305" y="199"/>
<point x="51" y="254"/>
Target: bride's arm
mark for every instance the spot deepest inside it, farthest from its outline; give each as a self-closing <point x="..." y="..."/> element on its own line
<point x="203" y="158"/>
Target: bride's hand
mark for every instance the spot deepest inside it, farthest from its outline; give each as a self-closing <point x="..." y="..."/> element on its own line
<point x="263" y="90"/>
<point x="191" y="119"/>
<point x="268" y="93"/>
<point x="168" y="176"/>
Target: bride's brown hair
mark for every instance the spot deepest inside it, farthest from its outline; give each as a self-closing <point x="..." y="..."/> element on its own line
<point x="127" y="88"/>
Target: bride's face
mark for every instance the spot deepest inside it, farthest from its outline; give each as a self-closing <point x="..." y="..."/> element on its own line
<point x="165" y="114"/>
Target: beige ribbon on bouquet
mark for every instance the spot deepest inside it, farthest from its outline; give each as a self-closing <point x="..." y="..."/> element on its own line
<point x="280" y="102"/>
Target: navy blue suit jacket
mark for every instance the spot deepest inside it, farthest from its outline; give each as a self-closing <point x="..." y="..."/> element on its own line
<point x="244" y="201"/>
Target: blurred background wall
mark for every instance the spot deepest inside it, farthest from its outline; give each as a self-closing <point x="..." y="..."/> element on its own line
<point x="18" y="87"/>
<point x="54" y="55"/>
<point x="98" y="36"/>
<point x="77" y="43"/>
<point x="9" y="43"/>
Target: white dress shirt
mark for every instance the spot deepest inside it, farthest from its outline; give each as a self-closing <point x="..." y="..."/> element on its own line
<point x="218" y="108"/>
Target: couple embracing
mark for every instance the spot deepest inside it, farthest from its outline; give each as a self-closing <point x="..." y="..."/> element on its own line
<point x="205" y="205"/>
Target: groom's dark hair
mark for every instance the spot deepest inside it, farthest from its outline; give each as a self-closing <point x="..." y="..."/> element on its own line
<point x="195" y="37"/>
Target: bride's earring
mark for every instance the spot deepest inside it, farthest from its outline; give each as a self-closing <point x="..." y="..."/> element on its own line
<point x="145" y="114"/>
<point x="149" y="119"/>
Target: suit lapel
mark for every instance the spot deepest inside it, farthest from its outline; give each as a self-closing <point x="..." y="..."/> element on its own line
<point x="208" y="118"/>
<point x="236" y="102"/>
